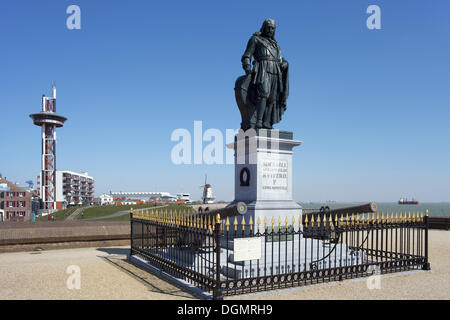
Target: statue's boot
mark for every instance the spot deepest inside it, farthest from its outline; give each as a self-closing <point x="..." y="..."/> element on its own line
<point x="268" y="117"/>
<point x="252" y="117"/>
<point x="260" y="106"/>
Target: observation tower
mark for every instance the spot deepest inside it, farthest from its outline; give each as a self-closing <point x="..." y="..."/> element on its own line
<point x="48" y="120"/>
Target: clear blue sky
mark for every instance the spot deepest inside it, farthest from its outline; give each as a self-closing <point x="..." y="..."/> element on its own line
<point x="372" y="107"/>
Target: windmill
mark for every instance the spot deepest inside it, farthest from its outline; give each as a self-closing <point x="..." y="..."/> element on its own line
<point x="207" y="192"/>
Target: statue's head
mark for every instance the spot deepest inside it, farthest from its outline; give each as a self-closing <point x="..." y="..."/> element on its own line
<point x="268" y="28"/>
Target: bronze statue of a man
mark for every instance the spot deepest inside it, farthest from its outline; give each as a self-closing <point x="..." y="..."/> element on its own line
<point x="262" y="93"/>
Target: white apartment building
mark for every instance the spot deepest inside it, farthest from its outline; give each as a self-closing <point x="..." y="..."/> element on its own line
<point x="74" y="188"/>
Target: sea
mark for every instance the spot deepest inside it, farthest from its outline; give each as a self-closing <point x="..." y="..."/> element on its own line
<point x="435" y="209"/>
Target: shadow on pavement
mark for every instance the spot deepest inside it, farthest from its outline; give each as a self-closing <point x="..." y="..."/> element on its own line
<point x="118" y="257"/>
<point x="112" y="251"/>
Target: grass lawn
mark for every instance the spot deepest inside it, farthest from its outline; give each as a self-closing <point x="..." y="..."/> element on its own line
<point x="60" y="215"/>
<point x="126" y="217"/>
<point x="96" y="212"/>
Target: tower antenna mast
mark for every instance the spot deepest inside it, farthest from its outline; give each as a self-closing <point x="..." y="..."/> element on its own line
<point x="48" y="120"/>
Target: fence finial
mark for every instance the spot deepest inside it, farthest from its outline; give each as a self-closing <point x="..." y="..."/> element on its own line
<point x="243" y="223"/>
<point x="279" y="222"/>
<point x="227" y="224"/>
<point x="218" y="218"/>
<point x="250" y="223"/>
<point x="312" y="221"/>
<point x="265" y="223"/>
<point x="426" y="213"/>
<point x="258" y="222"/>
<point x="235" y="223"/>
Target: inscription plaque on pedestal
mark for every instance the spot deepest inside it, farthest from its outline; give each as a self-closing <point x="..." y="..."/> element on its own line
<point x="275" y="175"/>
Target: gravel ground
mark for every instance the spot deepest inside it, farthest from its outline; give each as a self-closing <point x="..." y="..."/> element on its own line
<point x="105" y="274"/>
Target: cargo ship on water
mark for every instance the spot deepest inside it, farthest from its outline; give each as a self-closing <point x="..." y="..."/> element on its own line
<point x="406" y="201"/>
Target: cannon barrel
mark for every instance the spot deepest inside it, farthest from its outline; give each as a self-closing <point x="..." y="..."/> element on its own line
<point x="339" y="212"/>
<point x="237" y="209"/>
<point x="364" y="208"/>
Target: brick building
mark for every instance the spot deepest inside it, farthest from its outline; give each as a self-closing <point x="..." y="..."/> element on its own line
<point x="15" y="202"/>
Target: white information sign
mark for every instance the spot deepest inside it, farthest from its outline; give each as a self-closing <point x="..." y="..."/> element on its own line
<point x="247" y="249"/>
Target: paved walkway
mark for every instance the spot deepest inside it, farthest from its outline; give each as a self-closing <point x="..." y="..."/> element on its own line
<point x="106" y="274"/>
<point x="76" y="213"/>
<point x="117" y="214"/>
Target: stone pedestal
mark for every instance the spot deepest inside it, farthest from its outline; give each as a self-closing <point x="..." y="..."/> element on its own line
<point x="263" y="174"/>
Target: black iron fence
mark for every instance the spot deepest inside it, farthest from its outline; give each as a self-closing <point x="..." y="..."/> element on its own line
<point x="234" y="256"/>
